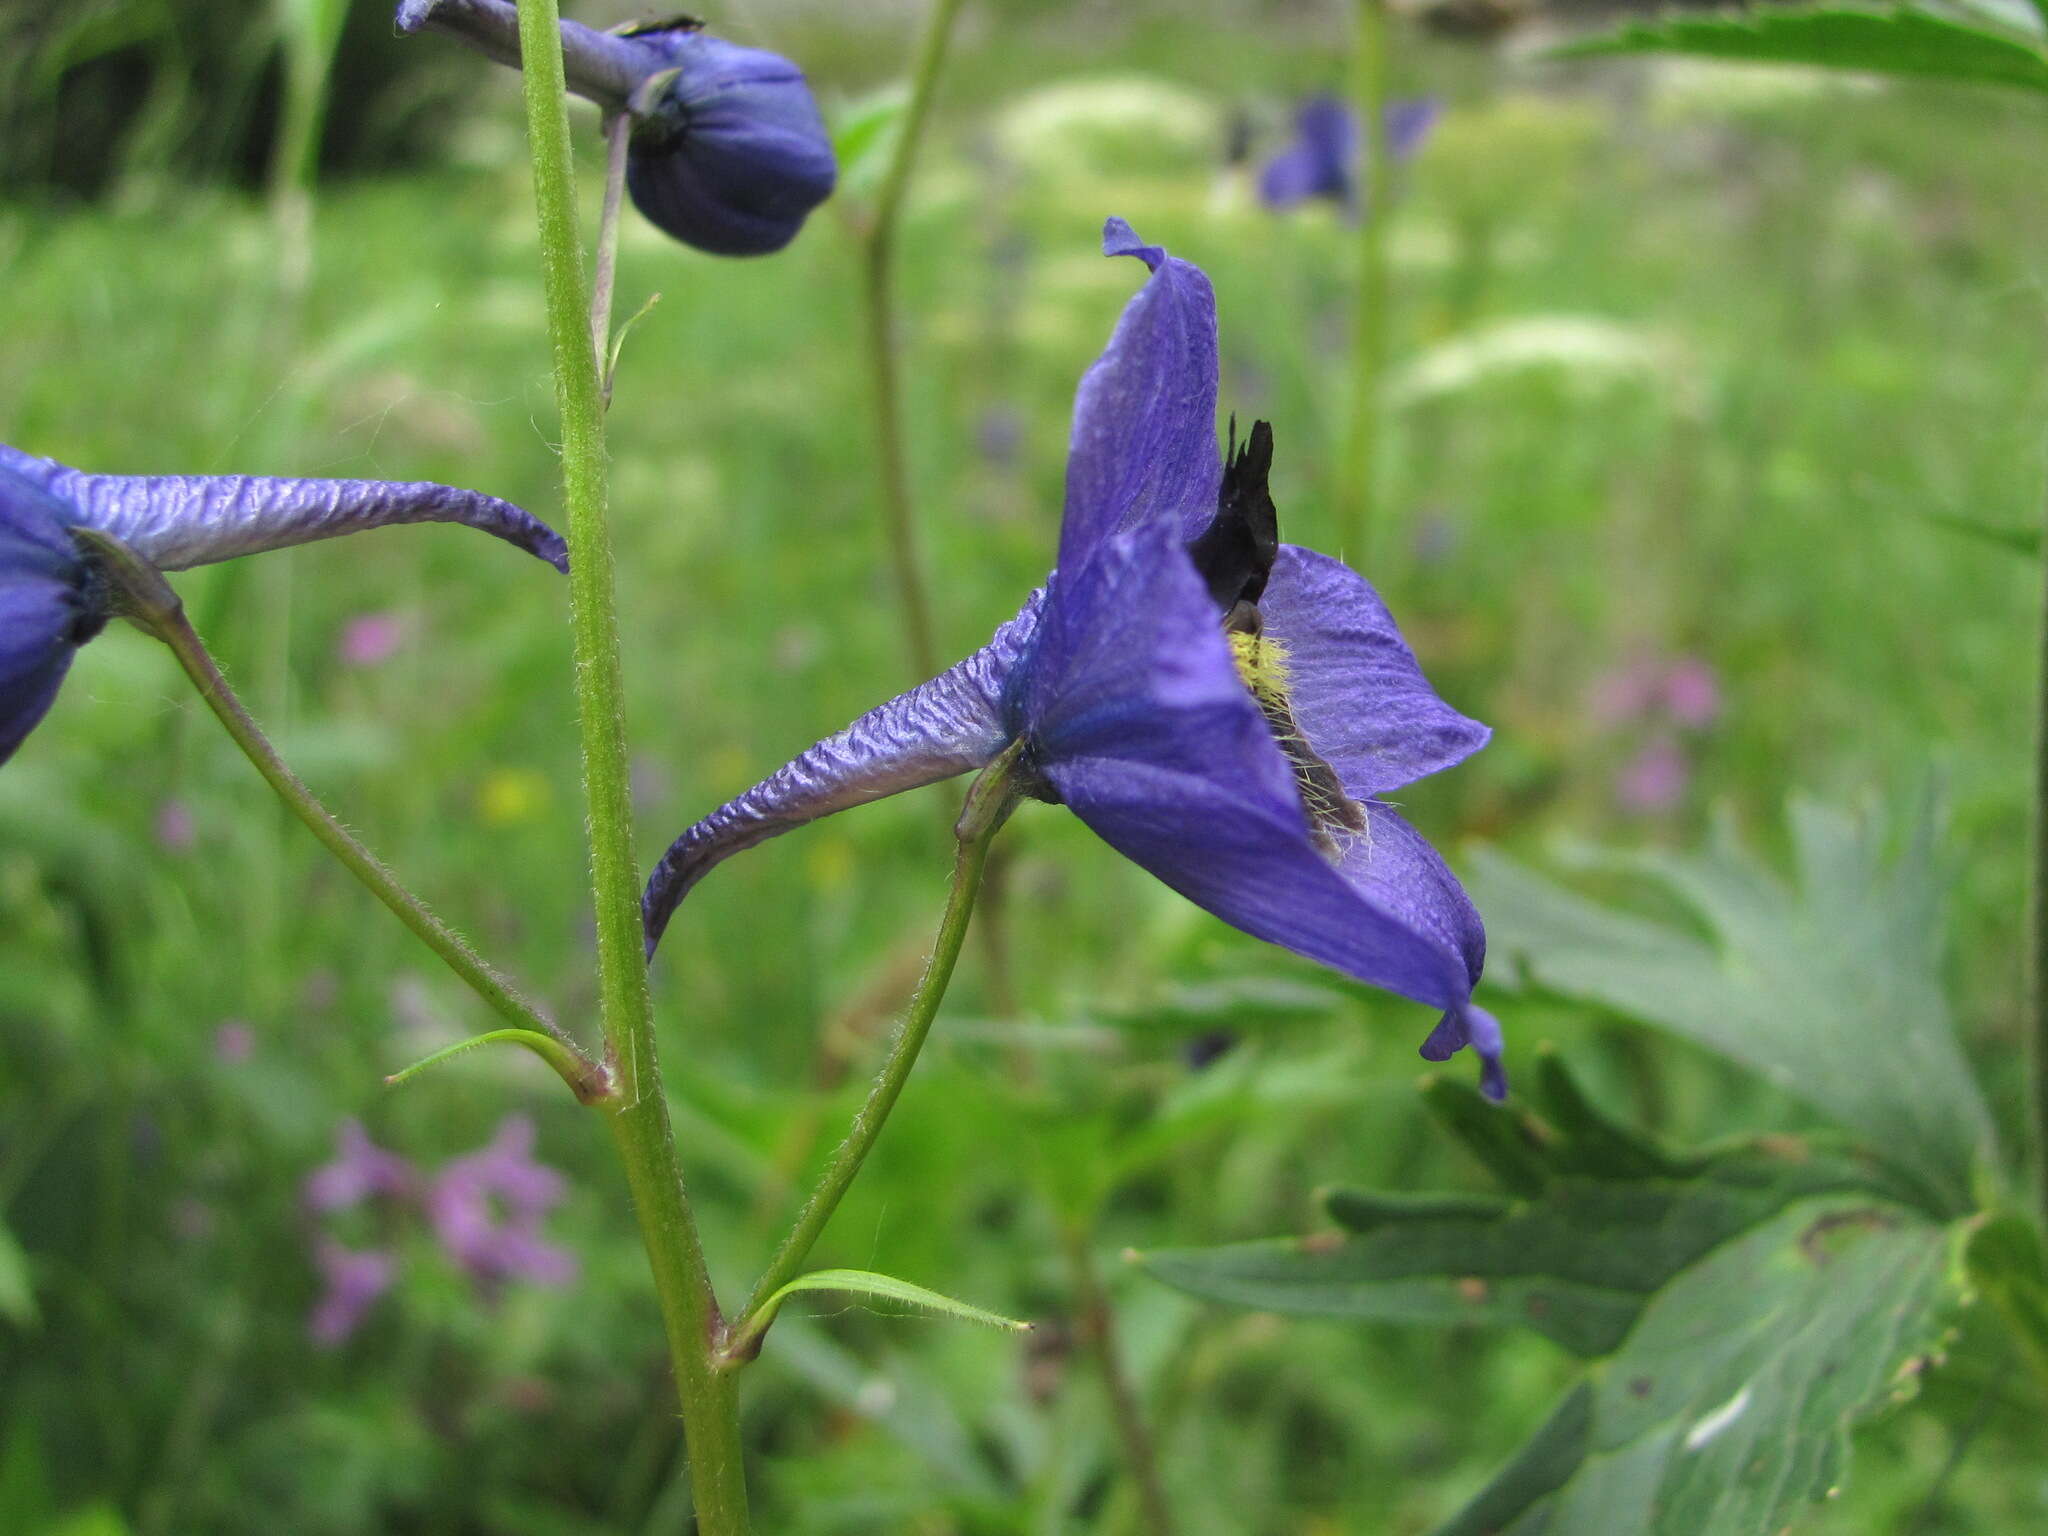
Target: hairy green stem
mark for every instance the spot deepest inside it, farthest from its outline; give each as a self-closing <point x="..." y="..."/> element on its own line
<point x="1358" y="493"/>
<point x="1098" y="1335"/>
<point x="885" y="370"/>
<point x="989" y="804"/>
<point x="147" y="598"/>
<point x="639" y="1113"/>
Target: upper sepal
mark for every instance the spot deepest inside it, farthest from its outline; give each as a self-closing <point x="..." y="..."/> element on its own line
<point x="1144" y="446"/>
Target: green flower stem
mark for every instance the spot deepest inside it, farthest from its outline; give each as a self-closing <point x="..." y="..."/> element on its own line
<point x="148" y="599"/>
<point x="638" y="1114"/>
<point x="618" y="132"/>
<point x="989" y="805"/>
<point x="885" y="371"/>
<point x="1357" y="501"/>
<point x="2037" y="923"/>
<point x="1097" y="1328"/>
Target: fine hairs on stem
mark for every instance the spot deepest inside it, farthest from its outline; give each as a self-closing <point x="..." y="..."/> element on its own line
<point x="639" y="1117"/>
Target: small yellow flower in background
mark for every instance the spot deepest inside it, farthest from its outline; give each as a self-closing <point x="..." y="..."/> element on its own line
<point x="509" y="796"/>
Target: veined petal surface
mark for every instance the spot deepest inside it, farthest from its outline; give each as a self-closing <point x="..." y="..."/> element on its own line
<point x="1143" y="445"/>
<point x="938" y="729"/>
<point x="1356" y="688"/>
<point x="179" y="521"/>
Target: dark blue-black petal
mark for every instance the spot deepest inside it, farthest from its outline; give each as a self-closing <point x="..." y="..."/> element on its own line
<point x="47" y="606"/>
<point x="730" y="155"/>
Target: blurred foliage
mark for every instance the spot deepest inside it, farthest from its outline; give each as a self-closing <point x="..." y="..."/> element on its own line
<point x="1828" y="298"/>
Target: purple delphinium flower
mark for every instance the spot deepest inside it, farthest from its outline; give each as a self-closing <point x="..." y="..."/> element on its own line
<point x="361" y="1170"/>
<point x="728" y="152"/>
<point x="1322" y="158"/>
<point x="355" y="1280"/>
<point x="1223" y="709"/>
<point x="487" y="1209"/>
<point x="54" y="598"/>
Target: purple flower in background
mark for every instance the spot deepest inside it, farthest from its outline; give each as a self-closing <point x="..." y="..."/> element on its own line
<point x="370" y="639"/>
<point x="235" y="1042"/>
<point x="1322" y="159"/>
<point x="361" y="1170"/>
<point x="53" y="597"/>
<point x="355" y="1279"/>
<point x="1219" y="707"/>
<point x="1672" y="697"/>
<point x="1655" y="779"/>
<point x="487" y="1209"/>
<point x="176" y="830"/>
<point x="1692" y="693"/>
<point x="728" y="152"/>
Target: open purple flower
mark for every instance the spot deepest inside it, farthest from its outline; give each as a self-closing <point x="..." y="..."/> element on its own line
<point x="487" y="1208"/>
<point x="728" y="152"/>
<point x="1321" y="161"/>
<point x="1223" y="709"/>
<point x="53" y="598"/>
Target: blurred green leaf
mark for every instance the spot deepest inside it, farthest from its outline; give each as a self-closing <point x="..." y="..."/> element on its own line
<point x="1740" y="1310"/>
<point x="1899" y="42"/>
<point x="1731" y="1402"/>
<point x="864" y="136"/>
<point x="17" y="1290"/>
<point x="1828" y="985"/>
<point x="93" y="1520"/>
<point x="1576" y="1257"/>
<point x="2021" y="541"/>
<point x="2004" y="1261"/>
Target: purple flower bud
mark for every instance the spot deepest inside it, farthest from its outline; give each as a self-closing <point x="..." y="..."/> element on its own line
<point x="728" y="152"/>
<point x="487" y="1209"/>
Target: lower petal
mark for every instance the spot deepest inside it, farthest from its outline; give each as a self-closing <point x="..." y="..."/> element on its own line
<point x="1387" y="917"/>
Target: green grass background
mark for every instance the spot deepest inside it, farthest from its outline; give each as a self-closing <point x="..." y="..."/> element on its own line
<point x="1825" y="308"/>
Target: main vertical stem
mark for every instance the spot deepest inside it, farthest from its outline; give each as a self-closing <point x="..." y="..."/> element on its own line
<point x="885" y="371"/>
<point x="639" y="1121"/>
<point x="1358" y="502"/>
